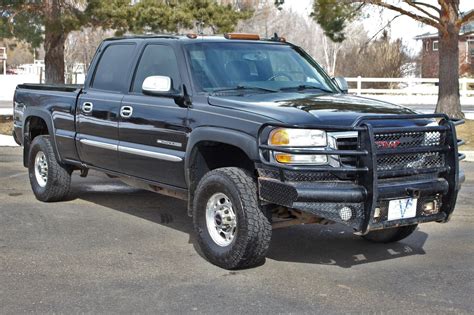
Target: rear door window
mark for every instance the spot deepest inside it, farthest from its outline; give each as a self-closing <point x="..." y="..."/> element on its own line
<point x="114" y="67"/>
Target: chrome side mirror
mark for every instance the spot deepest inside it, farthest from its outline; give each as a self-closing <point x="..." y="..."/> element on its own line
<point x="341" y="83"/>
<point x="157" y="85"/>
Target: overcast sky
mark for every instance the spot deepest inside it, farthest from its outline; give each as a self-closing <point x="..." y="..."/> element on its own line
<point x="402" y="27"/>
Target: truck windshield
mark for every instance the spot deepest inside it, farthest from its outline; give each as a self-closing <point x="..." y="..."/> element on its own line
<point x="256" y="68"/>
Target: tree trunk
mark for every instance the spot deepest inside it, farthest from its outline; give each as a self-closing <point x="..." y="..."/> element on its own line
<point x="54" y="56"/>
<point x="448" y="95"/>
<point x="54" y="40"/>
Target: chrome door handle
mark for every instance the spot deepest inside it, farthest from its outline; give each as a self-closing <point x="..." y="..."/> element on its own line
<point x="126" y="111"/>
<point x="87" y="107"/>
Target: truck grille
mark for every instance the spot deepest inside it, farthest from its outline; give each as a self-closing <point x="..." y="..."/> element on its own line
<point x="399" y="140"/>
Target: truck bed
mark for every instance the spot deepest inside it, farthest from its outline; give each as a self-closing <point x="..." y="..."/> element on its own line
<point x="53" y="104"/>
<point x="51" y="87"/>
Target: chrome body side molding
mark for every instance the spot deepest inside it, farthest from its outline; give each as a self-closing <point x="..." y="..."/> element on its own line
<point x="130" y="150"/>
<point x="150" y="154"/>
<point x="99" y="144"/>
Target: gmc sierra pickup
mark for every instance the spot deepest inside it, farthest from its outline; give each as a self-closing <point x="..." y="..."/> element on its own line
<point x="252" y="133"/>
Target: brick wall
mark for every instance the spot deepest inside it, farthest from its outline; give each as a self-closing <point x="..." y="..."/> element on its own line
<point x="430" y="60"/>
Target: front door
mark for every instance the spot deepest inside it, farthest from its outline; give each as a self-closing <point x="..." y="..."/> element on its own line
<point x="98" y="108"/>
<point x="153" y="129"/>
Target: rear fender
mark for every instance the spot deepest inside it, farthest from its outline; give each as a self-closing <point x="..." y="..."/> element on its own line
<point x="46" y="117"/>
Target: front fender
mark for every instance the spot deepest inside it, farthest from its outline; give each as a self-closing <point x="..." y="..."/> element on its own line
<point x="245" y="142"/>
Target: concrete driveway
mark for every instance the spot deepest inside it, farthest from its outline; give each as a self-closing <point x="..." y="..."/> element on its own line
<point x="112" y="249"/>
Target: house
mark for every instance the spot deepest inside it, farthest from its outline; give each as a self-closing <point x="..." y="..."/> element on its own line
<point x="430" y="57"/>
<point x="3" y="59"/>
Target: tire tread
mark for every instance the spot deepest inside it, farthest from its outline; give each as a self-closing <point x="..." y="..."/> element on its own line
<point x="59" y="177"/>
<point x="251" y="252"/>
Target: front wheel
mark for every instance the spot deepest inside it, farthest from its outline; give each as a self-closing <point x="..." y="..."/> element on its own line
<point x="390" y="235"/>
<point x="50" y="181"/>
<point x="232" y="230"/>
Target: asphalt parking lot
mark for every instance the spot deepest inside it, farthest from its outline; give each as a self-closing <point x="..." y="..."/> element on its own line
<point x="112" y="249"/>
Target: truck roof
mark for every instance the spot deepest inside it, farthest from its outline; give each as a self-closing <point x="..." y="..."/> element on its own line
<point x="207" y="38"/>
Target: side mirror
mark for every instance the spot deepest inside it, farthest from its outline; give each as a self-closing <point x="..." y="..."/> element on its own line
<point x="342" y="84"/>
<point x="157" y="85"/>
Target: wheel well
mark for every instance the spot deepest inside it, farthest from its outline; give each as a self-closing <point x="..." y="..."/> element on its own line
<point x="209" y="155"/>
<point x="35" y="126"/>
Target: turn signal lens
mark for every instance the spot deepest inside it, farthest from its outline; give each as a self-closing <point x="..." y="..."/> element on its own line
<point x="283" y="157"/>
<point x="279" y="137"/>
<point x="301" y="158"/>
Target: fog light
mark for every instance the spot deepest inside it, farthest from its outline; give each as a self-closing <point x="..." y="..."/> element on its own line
<point x="377" y="213"/>
<point x="430" y="207"/>
<point x="345" y="213"/>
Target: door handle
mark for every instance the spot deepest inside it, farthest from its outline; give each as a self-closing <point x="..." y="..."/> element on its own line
<point x="87" y="107"/>
<point x="126" y="111"/>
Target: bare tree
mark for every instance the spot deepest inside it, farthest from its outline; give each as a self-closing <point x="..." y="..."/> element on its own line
<point x="80" y="47"/>
<point x="381" y="57"/>
<point x="445" y="16"/>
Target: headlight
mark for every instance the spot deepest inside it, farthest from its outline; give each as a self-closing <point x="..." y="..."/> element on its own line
<point x="309" y="138"/>
<point x="298" y="138"/>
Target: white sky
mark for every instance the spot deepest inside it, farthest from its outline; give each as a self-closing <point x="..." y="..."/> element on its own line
<point x="403" y="27"/>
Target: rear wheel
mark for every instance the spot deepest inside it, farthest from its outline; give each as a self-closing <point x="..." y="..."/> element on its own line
<point x="390" y="235"/>
<point x="49" y="180"/>
<point x="232" y="230"/>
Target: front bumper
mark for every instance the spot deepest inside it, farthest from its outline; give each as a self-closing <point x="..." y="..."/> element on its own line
<point x="325" y="199"/>
<point x="324" y="190"/>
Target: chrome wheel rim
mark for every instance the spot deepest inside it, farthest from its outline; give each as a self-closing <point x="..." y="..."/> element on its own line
<point x="221" y="220"/>
<point x="41" y="169"/>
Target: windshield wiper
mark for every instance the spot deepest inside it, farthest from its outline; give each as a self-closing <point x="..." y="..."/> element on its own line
<point x="244" y="88"/>
<point x="303" y="87"/>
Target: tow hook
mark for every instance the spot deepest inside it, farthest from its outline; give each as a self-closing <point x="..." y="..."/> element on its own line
<point x="413" y="193"/>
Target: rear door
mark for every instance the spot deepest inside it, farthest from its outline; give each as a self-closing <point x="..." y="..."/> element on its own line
<point x="98" y="107"/>
<point x="152" y="128"/>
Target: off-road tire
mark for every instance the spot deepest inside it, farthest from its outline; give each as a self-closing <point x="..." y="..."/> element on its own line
<point x="58" y="177"/>
<point x="390" y="235"/>
<point x="252" y="239"/>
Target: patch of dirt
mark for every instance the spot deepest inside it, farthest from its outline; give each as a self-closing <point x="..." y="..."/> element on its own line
<point x="466" y="132"/>
<point x="6" y="127"/>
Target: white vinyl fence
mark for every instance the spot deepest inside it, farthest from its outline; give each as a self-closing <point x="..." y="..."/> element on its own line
<point x="416" y="86"/>
<point x="408" y="90"/>
<point x="401" y="91"/>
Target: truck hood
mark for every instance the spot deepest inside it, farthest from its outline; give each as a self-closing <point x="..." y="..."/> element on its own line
<point x="301" y="108"/>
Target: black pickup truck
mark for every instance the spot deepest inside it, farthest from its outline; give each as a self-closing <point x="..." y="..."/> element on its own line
<point x="252" y="133"/>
